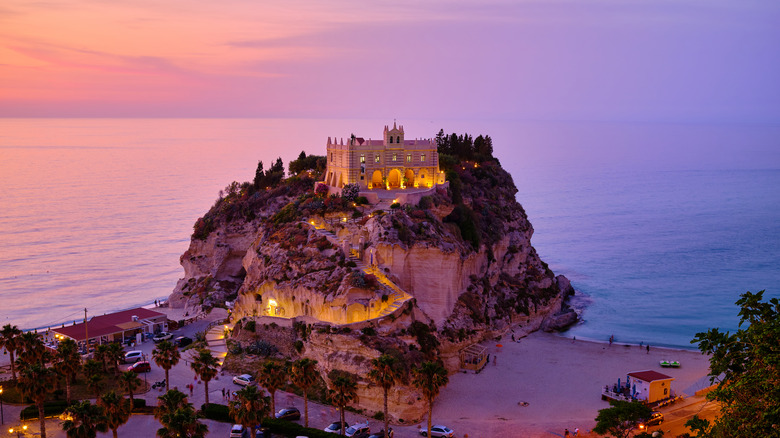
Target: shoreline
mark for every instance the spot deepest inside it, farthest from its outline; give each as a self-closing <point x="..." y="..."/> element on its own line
<point x="560" y="380"/>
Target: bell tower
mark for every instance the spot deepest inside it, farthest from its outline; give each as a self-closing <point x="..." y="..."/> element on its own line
<point x="394" y="136"/>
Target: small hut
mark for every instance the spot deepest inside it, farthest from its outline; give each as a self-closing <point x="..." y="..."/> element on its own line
<point x="473" y="358"/>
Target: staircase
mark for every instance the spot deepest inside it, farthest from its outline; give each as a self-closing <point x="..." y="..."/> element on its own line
<point x="398" y="296"/>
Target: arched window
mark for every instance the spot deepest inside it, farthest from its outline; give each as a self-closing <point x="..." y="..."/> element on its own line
<point x="398" y="139"/>
<point x="391" y="139"/>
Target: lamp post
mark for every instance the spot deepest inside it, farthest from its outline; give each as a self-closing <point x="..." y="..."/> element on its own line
<point x="2" y="419"/>
<point x="20" y="431"/>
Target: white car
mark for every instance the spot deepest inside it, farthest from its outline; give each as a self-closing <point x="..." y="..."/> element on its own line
<point x="133" y="356"/>
<point x="439" y="431"/>
<point x="358" y="429"/>
<point x="237" y="431"/>
<point x="244" y="380"/>
<point x="162" y="336"/>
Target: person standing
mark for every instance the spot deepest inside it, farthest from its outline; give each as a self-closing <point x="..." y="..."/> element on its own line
<point x="648" y="348"/>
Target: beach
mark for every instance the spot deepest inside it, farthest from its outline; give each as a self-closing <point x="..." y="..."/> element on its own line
<point x="560" y="379"/>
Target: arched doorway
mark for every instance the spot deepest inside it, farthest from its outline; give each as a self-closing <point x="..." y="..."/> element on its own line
<point x="376" y="179"/>
<point x="409" y="178"/>
<point x="394" y="179"/>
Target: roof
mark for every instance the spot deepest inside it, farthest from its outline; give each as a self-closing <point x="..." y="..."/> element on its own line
<point x="108" y="324"/>
<point x="650" y="376"/>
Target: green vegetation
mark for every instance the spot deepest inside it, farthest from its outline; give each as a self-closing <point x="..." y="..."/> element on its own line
<point x="746" y="365"/>
<point x="622" y="418"/>
<point x="315" y="164"/>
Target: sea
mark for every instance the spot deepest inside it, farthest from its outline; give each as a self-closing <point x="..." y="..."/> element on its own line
<point x="659" y="225"/>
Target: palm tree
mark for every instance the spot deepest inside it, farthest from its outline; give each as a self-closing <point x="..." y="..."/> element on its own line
<point x="101" y="355"/>
<point x="35" y="381"/>
<point x="10" y="339"/>
<point x="83" y="420"/>
<point x="131" y="381"/>
<point x="273" y="376"/>
<point x="169" y="402"/>
<point x="385" y="374"/>
<point x="249" y="407"/>
<point x="116" y="409"/>
<point x="178" y="417"/>
<point x="31" y="349"/>
<point x="93" y="371"/>
<point x="205" y="366"/>
<point x="166" y="356"/>
<point x="343" y="393"/>
<point x="303" y="374"/>
<point x="67" y="363"/>
<point x="115" y="354"/>
<point x="429" y="378"/>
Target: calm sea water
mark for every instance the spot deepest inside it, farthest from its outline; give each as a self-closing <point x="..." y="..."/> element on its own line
<point x="660" y="226"/>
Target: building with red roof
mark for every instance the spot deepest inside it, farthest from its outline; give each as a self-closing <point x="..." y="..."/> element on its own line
<point x="651" y="386"/>
<point x="113" y="327"/>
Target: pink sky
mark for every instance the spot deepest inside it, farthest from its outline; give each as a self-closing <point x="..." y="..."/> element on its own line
<point x="688" y="60"/>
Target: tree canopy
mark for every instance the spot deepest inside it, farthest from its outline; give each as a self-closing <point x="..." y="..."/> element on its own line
<point x="746" y="365"/>
<point x="621" y="418"/>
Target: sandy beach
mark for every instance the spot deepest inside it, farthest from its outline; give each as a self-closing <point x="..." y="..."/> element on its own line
<point x="560" y="380"/>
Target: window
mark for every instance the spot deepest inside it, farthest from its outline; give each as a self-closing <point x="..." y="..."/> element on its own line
<point x="422" y="157"/>
<point x="331" y="157"/>
<point x="408" y="158"/>
<point x="376" y="158"/>
<point x="362" y="158"/>
<point x="398" y="139"/>
<point x="395" y="157"/>
<point x="391" y="139"/>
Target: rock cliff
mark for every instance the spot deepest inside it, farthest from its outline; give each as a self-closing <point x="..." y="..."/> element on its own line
<point x="418" y="282"/>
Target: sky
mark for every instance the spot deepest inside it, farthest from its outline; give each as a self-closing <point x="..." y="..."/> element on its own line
<point x="681" y="60"/>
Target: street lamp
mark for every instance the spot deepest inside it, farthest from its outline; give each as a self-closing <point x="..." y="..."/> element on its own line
<point x="20" y="431"/>
<point x="2" y="419"/>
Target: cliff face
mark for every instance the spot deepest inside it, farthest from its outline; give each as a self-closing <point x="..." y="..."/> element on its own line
<point x="417" y="282"/>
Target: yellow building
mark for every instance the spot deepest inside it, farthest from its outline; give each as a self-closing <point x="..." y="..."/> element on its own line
<point x="390" y="163"/>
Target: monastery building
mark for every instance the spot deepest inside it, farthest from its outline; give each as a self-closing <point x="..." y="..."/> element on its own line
<point x="391" y="163"/>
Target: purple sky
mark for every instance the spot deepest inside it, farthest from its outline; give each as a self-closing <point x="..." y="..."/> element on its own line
<point x="685" y="60"/>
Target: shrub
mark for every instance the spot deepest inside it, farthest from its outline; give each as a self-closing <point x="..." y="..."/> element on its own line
<point x="368" y="331"/>
<point x="395" y="206"/>
<point x="216" y="412"/>
<point x="361" y="200"/>
<point x="298" y="345"/>
<point x="250" y="326"/>
<point x="425" y="203"/>
<point x="288" y="428"/>
<point x="50" y="409"/>
<point x="350" y="192"/>
<point x="321" y="189"/>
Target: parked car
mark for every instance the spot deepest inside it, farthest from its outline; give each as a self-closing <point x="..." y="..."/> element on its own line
<point x="237" y="431"/>
<point x="133" y="356"/>
<point x="162" y="336"/>
<point x="439" y="431"/>
<point x="182" y="341"/>
<point x="335" y="427"/>
<point x="655" y="419"/>
<point x="358" y="430"/>
<point x="243" y="380"/>
<point x="381" y="433"/>
<point x="140" y="367"/>
<point x="288" y="414"/>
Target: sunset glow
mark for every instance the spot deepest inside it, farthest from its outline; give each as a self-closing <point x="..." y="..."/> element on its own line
<point x="529" y="59"/>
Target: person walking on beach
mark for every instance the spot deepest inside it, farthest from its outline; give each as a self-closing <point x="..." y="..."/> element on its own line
<point x="566" y="432"/>
<point x="648" y="348"/>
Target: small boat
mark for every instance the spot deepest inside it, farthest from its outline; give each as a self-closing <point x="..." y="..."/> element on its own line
<point x="670" y="364"/>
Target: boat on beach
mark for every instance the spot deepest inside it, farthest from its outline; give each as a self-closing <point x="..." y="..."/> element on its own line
<point x="670" y="364"/>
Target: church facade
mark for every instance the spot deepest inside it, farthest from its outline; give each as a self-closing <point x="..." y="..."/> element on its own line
<point x="390" y="163"/>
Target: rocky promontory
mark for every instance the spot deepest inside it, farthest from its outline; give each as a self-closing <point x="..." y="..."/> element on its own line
<point x="348" y="281"/>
